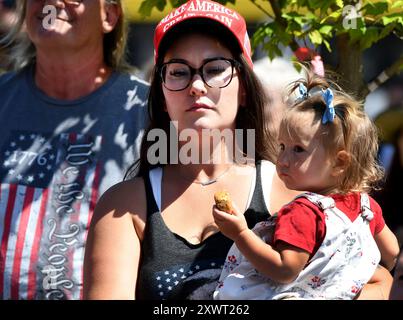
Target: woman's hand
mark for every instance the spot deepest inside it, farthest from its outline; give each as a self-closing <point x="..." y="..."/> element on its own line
<point x="397" y="287"/>
<point x="230" y="224"/>
<point x="378" y="287"/>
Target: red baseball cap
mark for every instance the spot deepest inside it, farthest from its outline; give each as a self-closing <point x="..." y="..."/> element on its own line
<point x="207" y="9"/>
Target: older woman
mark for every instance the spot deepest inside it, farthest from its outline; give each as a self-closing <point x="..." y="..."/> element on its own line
<point x="69" y="116"/>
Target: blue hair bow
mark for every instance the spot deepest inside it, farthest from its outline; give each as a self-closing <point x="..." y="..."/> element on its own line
<point x="327" y="95"/>
<point x="302" y="92"/>
<point x="330" y="113"/>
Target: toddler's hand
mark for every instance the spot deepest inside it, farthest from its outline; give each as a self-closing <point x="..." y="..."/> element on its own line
<point x="230" y="224"/>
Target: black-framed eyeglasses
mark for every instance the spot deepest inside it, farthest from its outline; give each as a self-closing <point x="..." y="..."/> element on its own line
<point x="176" y="74"/>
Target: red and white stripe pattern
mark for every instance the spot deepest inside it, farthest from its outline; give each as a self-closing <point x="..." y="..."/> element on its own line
<point x="22" y="218"/>
<point x="35" y="236"/>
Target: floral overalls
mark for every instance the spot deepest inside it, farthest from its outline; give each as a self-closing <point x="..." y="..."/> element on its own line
<point x="344" y="262"/>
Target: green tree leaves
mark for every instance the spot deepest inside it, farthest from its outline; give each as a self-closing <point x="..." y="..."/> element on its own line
<point x="355" y="25"/>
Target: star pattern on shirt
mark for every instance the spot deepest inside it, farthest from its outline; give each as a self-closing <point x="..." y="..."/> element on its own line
<point x="28" y="159"/>
<point x="167" y="280"/>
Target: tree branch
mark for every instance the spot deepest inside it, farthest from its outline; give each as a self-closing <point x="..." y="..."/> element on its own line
<point x="283" y="22"/>
<point x="262" y="9"/>
<point x="385" y="75"/>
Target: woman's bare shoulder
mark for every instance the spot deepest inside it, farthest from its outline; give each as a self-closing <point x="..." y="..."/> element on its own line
<point x="126" y="197"/>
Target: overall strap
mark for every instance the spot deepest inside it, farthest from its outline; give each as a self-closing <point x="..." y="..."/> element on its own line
<point x="366" y="211"/>
<point x="325" y="203"/>
<point x="322" y="202"/>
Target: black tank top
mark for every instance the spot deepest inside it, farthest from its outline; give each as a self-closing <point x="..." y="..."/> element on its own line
<point x="171" y="268"/>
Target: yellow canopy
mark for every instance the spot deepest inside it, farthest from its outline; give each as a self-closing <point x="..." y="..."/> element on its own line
<point x="246" y="8"/>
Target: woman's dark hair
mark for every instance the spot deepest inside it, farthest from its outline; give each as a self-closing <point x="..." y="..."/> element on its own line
<point x="250" y="116"/>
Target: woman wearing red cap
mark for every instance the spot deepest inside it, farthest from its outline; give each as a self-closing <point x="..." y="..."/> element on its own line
<point x="154" y="236"/>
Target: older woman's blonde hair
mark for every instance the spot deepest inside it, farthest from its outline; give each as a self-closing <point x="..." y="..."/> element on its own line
<point x="24" y="53"/>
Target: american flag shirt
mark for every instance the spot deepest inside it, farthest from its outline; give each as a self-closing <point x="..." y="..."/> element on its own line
<point x="56" y="159"/>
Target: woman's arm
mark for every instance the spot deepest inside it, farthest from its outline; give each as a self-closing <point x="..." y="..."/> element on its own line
<point x="112" y="252"/>
<point x="378" y="287"/>
<point x="388" y="246"/>
<point x="397" y="287"/>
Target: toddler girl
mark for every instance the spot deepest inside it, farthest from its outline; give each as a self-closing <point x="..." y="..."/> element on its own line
<point x="326" y="243"/>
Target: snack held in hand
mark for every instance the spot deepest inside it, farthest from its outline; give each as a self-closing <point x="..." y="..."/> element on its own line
<point x="223" y="201"/>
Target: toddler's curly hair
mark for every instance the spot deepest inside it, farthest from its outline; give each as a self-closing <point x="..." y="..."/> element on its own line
<point x="352" y="131"/>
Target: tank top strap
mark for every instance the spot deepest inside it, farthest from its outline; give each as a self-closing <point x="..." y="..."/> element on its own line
<point x="152" y="182"/>
<point x="257" y="210"/>
<point x="327" y="205"/>
<point x="267" y="171"/>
